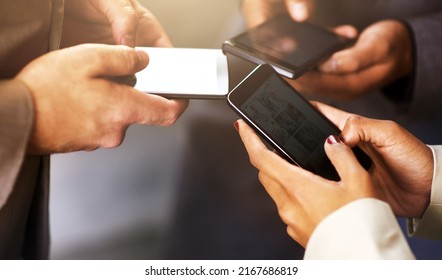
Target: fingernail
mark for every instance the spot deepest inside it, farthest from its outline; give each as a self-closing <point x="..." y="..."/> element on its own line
<point x="330" y="66"/>
<point x="332" y="139"/>
<point x="236" y="125"/>
<point x="298" y="11"/>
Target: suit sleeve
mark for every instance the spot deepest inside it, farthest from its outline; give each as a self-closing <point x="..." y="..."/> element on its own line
<point x="16" y="122"/>
<point x="430" y="225"/>
<point x="363" y="229"/>
<point x="425" y="86"/>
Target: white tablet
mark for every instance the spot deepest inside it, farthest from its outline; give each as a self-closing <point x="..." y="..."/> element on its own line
<point x="185" y="73"/>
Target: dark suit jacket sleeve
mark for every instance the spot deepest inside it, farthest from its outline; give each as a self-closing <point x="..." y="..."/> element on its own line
<point x="424" y="86"/>
<point x="16" y="122"/>
<point x="427" y="79"/>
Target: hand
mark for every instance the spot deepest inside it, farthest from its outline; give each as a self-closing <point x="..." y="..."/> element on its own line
<point x="381" y="55"/>
<point x="259" y="11"/>
<point x="402" y="168"/>
<point x="78" y="107"/>
<point x="123" y="22"/>
<point x="302" y="198"/>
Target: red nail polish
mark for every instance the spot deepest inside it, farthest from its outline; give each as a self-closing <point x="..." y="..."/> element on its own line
<point x="236" y="125"/>
<point x="332" y="140"/>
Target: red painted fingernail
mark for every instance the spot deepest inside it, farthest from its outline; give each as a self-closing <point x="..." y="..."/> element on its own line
<point x="332" y="139"/>
<point x="236" y="125"/>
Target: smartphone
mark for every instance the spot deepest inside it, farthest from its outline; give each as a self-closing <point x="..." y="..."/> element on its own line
<point x="184" y="73"/>
<point x="292" y="48"/>
<point x="287" y="121"/>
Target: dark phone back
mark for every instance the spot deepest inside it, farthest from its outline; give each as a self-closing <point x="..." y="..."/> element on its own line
<point x="292" y="47"/>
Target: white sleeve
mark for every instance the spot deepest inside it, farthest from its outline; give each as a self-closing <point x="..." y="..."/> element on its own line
<point x="430" y="225"/>
<point x="363" y="229"/>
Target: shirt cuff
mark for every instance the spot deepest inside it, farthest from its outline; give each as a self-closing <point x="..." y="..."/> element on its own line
<point x="363" y="229"/>
<point x="430" y="226"/>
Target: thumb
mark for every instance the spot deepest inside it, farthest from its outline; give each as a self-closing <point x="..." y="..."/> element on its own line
<point x="111" y="61"/>
<point x="355" y="59"/>
<point x="123" y="19"/>
<point x="342" y="158"/>
<point x="377" y="132"/>
<point x="299" y="10"/>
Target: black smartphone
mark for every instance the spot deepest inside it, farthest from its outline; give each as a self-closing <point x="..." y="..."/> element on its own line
<point x="287" y="121"/>
<point x="292" y="48"/>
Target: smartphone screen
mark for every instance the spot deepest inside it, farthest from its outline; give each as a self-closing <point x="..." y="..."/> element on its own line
<point x="287" y="121"/>
<point x="291" y="47"/>
<point x="184" y="73"/>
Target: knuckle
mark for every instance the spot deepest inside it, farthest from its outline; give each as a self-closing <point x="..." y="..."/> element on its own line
<point x="255" y="161"/>
<point x="262" y="178"/>
<point x="287" y="215"/>
<point x="392" y="125"/>
<point x="113" y="140"/>
<point x="169" y="118"/>
<point x="354" y="121"/>
<point x="115" y="128"/>
<point x="130" y="19"/>
<point x="351" y="65"/>
<point x="292" y="232"/>
<point x="131" y="58"/>
<point x="172" y="113"/>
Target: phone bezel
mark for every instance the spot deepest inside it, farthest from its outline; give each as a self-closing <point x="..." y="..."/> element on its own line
<point x="247" y="88"/>
<point x="244" y="90"/>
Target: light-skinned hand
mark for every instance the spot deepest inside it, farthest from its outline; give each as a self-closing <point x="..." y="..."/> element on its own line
<point x="121" y="22"/>
<point x="78" y="107"/>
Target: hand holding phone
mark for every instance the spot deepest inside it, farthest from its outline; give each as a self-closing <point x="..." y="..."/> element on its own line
<point x="287" y="121"/>
<point x="292" y="48"/>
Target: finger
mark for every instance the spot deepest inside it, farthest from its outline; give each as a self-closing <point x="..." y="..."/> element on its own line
<point x="336" y="116"/>
<point x="150" y="109"/>
<point x="347" y="31"/>
<point x="260" y="156"/>
<point x="123" y="20"/>
<point x="109" y="61"/>
<point x="291" y="231"/>
<point x="273" y="169"/>
<point x="361" y="56"/>
<point x="299" y="10"/>
<point x="343" y="159"/>
<point x="150" y="32"/>
<point x="360" y="129"/>
<point x="274" y="188"/>
<point x="269" y="163"/>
